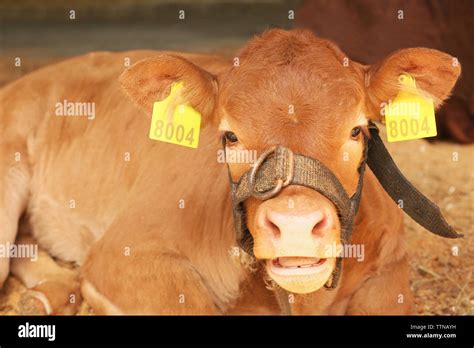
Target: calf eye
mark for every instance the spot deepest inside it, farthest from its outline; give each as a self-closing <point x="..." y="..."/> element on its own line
<point x="230" y="138"/>
<point x="355" y="132"/>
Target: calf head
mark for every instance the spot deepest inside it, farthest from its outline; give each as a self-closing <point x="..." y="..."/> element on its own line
<point x="291" y="90"/>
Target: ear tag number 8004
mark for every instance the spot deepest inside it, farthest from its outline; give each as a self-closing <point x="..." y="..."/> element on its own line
<point x="410" y="115"/>
<point x="174" y="122"/>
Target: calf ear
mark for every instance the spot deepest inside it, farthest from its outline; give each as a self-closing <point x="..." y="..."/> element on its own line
<point x="150" y="80"/>
<point x="435" y="73"/>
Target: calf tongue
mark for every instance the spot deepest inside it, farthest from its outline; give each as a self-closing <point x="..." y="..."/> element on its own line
<point x="297" y="261"/>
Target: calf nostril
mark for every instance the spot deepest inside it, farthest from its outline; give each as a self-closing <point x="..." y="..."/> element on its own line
<point x="321" y="224"/>
<point x="267" y="224"/>
<point x="274" y="229"/>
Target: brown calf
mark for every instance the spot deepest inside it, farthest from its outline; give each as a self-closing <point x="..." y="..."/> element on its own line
<point x="150" y="223"/>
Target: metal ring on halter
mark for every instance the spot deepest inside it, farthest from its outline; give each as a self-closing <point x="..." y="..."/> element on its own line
<point x="279" y="184"/>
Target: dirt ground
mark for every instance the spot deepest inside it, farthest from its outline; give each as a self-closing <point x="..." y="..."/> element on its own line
<point x="442" y="270"/>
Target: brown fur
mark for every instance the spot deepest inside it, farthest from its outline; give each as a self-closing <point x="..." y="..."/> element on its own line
<point x="141" y="253"/>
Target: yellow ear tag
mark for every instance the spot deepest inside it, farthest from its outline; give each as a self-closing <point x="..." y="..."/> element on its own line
<point x="174" y="122"/>
<point x="410" y="115"/>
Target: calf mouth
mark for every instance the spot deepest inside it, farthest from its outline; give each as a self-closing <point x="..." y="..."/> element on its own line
<point x="292" y="266"/>
<point x="300" y="274"/>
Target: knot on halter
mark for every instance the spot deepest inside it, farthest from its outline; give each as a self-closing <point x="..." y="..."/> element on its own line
<point x="283" y="175"/>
